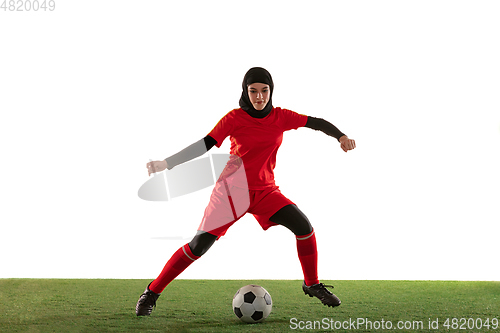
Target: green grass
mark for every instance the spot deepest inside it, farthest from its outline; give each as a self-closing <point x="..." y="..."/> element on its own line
<point x="53" y="305"/>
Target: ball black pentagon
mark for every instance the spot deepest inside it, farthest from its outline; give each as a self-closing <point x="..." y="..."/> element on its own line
<point x="249" y="297"/>
<point x="257" y="315"/>
<point x="267" y="298"/>
<point x="237" y="312"/>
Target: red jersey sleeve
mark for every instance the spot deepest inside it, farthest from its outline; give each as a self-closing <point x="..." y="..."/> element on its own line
<point x="223" y="129"/>
<point x="292" y="120"/>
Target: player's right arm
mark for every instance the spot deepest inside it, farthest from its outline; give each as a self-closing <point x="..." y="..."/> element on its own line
<point x="200" y="147"/>
<point x="197" y="149"/>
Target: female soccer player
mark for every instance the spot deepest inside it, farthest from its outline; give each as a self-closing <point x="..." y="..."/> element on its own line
<point x="256" y="132"/>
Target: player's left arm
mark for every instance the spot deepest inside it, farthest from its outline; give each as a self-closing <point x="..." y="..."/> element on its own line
<point x="328" y="128"/>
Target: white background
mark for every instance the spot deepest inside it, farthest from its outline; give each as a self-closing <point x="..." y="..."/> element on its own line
<point x="90" y="92"/>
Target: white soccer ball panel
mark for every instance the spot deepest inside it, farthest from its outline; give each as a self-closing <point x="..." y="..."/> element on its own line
<point x="259" y="291"/>
<point x="238" y="300"/>
<point x="267" y="311"/>
<point x="247" y="309"/>
<point x="260" y="304"/>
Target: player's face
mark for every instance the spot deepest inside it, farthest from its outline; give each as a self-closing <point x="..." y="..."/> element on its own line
<point x="259" y="95"/>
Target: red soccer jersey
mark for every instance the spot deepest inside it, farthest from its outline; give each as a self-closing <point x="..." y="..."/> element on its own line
<point x="256" y="141"/>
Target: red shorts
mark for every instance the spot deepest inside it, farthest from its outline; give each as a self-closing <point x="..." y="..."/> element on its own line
<point x="224" y="210"/>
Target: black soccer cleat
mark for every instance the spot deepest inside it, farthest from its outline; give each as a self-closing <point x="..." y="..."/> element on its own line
<point x="319" y="290"/>
<point x="146" y="302"/>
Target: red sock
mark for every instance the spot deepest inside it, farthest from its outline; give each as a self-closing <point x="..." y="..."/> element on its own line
<point x="181" y="259"/>
<point x="308" y="256"/>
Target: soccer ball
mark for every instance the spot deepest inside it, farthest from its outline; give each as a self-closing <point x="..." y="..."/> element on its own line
<point x="252" y="303"/>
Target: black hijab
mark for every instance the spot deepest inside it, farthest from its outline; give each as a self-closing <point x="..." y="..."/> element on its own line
<point x="256" y="75"/>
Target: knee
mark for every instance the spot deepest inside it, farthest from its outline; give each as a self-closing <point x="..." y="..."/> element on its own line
<point x="200" y="244"/>
<point x="300" y="225"/>
<point x="303" y="228"/>
<point x="292" y="218"/>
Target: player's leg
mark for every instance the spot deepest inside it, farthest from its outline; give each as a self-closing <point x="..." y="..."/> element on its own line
<point x="200" y="244"/>
<point x="297" y="222"/>
<point x="182" y="258"/>
<point x="179" y="261"/>
<point x="292" y="218"/>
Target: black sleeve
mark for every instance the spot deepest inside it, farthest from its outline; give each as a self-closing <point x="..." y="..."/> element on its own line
<point x="209" y="142"/>
<point x="324" y="126"/>
<point x="193" y="151"/>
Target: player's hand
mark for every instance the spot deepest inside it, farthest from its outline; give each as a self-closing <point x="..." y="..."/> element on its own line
<point x="346" y="143"/>
<point x="156" y="166"/>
